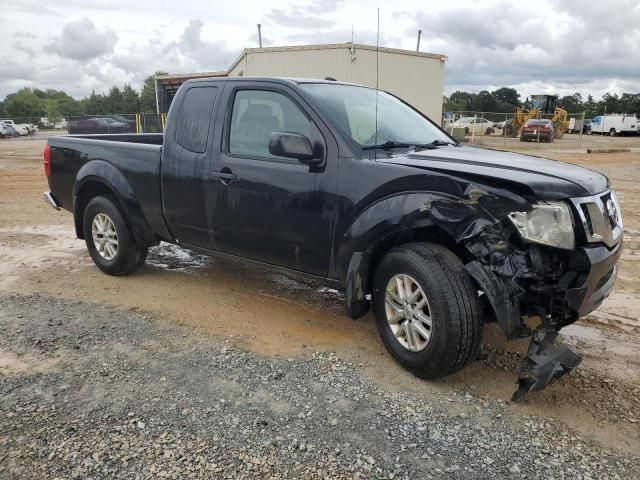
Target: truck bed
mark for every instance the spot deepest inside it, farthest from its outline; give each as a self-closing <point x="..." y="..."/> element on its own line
<point x="119" y="159"/>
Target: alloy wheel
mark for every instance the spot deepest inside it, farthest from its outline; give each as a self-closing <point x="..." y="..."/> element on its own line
<point x="105" y="236"/>
<point x="408" y="313"/>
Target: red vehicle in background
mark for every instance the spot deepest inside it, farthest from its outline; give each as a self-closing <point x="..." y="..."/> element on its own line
<point x="537" y="129"/>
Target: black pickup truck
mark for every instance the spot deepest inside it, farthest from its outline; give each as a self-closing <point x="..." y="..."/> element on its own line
<point x="357" y="189"/>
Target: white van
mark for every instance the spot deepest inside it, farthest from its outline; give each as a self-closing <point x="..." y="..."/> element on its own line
<point x="614" y="125"/>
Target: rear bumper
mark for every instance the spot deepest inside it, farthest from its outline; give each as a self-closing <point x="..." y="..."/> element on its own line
<point x="534" y="136"/>
<point x="51" y="200"/>
<point x="597" y="280"/>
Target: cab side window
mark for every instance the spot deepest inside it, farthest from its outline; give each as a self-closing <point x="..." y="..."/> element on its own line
<point x="256" y="115"/>
<point x="192" y="131"/>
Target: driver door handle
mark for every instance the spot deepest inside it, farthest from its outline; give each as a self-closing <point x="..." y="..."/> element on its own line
<point x="226" y="176"/>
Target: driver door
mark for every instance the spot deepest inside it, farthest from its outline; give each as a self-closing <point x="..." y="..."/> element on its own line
<point x="267" y="208"/>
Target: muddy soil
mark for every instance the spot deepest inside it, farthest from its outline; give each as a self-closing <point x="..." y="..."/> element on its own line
<point x="278" y="316"/>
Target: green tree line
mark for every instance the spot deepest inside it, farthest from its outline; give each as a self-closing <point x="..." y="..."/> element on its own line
<point x="56" y="104"/>
<point x="505" y="100"/>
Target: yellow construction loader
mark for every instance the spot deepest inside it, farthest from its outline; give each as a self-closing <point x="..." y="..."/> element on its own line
<point x="543" y="106"/>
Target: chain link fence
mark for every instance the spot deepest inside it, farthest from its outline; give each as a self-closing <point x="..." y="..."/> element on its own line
<point x="116" y="123"/>
<point x="517" y="130"/>
<point x="94" y="124"/>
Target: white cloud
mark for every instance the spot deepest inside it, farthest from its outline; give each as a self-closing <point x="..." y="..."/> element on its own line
<point x="558" y="46"/>
<point x="81" y="40"/>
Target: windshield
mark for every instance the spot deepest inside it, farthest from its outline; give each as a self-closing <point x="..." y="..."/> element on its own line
<point x="352" y="109"/>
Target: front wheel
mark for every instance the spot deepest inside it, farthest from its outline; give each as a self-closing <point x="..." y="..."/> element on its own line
<point x="109" y="238"/>
<point x="427" y="310"/>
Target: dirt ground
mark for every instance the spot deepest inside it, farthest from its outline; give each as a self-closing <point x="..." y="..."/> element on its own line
<point x="276" y="316"/>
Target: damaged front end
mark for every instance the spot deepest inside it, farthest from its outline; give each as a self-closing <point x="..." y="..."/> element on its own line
<point x="524" y="278"/>
<point x="554" y="259"/>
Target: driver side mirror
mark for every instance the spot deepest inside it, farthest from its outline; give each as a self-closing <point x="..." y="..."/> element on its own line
<point x="293" y="145"/>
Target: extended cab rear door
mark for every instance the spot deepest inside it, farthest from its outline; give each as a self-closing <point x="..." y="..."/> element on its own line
<point x="186" y="163"/>
<point x="266" y="208"/>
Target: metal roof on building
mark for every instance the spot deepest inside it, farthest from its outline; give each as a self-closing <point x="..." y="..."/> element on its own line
<point x="179" y="79"/>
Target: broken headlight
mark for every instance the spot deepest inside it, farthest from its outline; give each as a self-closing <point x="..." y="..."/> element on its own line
<point x="547" y="223"/>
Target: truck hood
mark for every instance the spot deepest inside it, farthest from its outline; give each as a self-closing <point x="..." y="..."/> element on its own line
<point x="540" y="178"/>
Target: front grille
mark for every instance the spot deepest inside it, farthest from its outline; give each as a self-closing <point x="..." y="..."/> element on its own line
<point x="587" y="217"/>
<point x="600" y="217"/>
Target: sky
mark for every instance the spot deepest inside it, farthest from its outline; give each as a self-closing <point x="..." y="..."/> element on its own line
<point x="546" y="46"/>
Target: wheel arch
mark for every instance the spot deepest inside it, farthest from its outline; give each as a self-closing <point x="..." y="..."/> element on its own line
<point x="393" y="221"/>
<point x="100" y="178"/>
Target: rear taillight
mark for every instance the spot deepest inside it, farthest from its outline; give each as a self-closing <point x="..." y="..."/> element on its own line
<point x="47" y="160"/>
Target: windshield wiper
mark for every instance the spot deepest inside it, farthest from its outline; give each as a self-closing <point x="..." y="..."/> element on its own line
<point x="393" y="144"/>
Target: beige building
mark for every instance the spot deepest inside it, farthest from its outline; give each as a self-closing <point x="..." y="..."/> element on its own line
<point x="416" y="77"/>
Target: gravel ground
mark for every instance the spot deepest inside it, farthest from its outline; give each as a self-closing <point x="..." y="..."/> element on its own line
<point x="90" y="391"/>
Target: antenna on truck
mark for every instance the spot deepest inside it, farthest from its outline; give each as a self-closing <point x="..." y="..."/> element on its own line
<point x="375" y="155"/>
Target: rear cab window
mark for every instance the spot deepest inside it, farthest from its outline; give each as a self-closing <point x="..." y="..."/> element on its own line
<point x="194" y="122"/>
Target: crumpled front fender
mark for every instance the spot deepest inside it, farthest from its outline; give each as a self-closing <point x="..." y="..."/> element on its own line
<point x="461" y="218"/>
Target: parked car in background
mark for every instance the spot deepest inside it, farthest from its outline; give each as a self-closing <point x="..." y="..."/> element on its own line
<point x="45" y="123"/>
<point x="7" y="131"/>
<point x="12" y="132"/>
<point x="614" y="125"/>
<point x="21" y="128"/>
<point x="537" y="129"/>
<point x="97" y="125"/>
<point x="130" y="122"/>
<point x="475" y="125"/>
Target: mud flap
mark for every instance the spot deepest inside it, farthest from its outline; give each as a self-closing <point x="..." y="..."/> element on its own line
<point x="545" y="362"/>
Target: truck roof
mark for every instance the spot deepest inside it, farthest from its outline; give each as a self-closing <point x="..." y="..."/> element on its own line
<point x="284" y="80"/>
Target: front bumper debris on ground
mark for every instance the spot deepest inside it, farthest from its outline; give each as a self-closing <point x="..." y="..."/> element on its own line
<point x="546" y="361"/>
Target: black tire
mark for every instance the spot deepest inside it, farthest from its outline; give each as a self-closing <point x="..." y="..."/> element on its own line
<point x="128" y="255"/>
<point x="612" y="132"/>
<point x="454" y="306"/>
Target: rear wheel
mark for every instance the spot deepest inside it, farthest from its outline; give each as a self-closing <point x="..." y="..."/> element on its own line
<point x="109" y="238"/>
<point x="612" y="132"/>
<point x="427" y="309"/>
